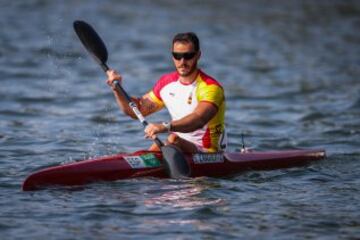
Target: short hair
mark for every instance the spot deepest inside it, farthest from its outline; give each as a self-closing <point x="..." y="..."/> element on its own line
<point x="188" y="37"/>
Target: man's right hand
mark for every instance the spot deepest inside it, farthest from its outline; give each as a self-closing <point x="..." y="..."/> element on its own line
<point x="113" y="76"/>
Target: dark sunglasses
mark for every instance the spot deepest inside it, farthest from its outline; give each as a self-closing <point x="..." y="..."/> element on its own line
<point x="185" y="55"/>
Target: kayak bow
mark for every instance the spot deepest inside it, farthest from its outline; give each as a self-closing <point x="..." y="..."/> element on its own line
<point x="150" y="164"/>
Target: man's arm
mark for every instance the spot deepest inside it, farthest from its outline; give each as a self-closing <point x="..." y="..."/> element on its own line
<point x="145" y="105"/>
<point x="202" y="114"/>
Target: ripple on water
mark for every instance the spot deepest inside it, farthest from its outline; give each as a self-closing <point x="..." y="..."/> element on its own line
<point x="356" y="104"/>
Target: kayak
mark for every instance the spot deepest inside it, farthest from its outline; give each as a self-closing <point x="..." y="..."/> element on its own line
<point x="150" y="164"/>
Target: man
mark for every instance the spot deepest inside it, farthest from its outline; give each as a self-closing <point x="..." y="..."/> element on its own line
<point x="195" y="101"/>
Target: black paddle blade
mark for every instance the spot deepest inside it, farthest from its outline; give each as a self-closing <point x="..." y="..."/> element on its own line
<point x="92" y="42"/>
<point x="175" y="162"/>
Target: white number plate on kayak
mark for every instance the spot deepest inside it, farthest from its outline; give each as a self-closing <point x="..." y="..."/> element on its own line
<point x="201" y="158"/>
<point x="143" y="161"/>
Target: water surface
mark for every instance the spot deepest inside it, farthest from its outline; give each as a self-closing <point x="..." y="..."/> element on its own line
<point x="290" y="70"/>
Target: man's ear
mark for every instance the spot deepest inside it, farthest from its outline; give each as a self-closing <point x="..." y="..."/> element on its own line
<point x="199" y="55"/>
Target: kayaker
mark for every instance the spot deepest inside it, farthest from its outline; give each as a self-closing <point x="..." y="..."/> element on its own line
<point x="195" y="101"/>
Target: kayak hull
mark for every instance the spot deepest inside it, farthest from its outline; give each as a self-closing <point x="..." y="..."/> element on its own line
<point x="149" y="164"/>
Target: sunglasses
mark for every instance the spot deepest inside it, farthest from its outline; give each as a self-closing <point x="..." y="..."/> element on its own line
<point x="185" y="55"/>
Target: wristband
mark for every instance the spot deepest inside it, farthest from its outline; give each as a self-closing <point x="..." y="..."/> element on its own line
<point x="167" y="125"/>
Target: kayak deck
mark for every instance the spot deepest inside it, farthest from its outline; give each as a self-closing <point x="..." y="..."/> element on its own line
<point x="149" y="164"/>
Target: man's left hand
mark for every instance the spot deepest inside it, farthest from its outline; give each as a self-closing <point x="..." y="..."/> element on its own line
<point x="153" y="128"/>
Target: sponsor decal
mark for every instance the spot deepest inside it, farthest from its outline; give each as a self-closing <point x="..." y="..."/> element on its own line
<point x="148" y="160"/>
<point x="201" y="158"/>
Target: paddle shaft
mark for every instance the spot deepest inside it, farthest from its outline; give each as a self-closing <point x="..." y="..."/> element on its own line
<point x="131" y="104"/>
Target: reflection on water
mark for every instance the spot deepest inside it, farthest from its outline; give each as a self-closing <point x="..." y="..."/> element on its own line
<point x="186" y="198"/>
<point x="183" y="196"/>
<point x="198" y="225"/>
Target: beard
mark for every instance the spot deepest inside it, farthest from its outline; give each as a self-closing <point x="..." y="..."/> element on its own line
<point x="185" y="70"/>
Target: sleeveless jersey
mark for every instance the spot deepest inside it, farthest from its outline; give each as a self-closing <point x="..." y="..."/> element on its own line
<point x="181" y="99"/>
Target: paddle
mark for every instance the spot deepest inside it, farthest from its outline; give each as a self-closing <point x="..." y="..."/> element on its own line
<point x="175" y="162"/>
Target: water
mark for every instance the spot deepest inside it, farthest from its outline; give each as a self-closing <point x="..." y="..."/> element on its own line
<point x="290" y="70"/>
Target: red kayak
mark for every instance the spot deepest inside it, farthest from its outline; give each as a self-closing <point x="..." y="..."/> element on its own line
<point x="149" y="164"/>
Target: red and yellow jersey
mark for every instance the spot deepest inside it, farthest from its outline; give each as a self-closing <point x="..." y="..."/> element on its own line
<point x="181" y="99"/>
